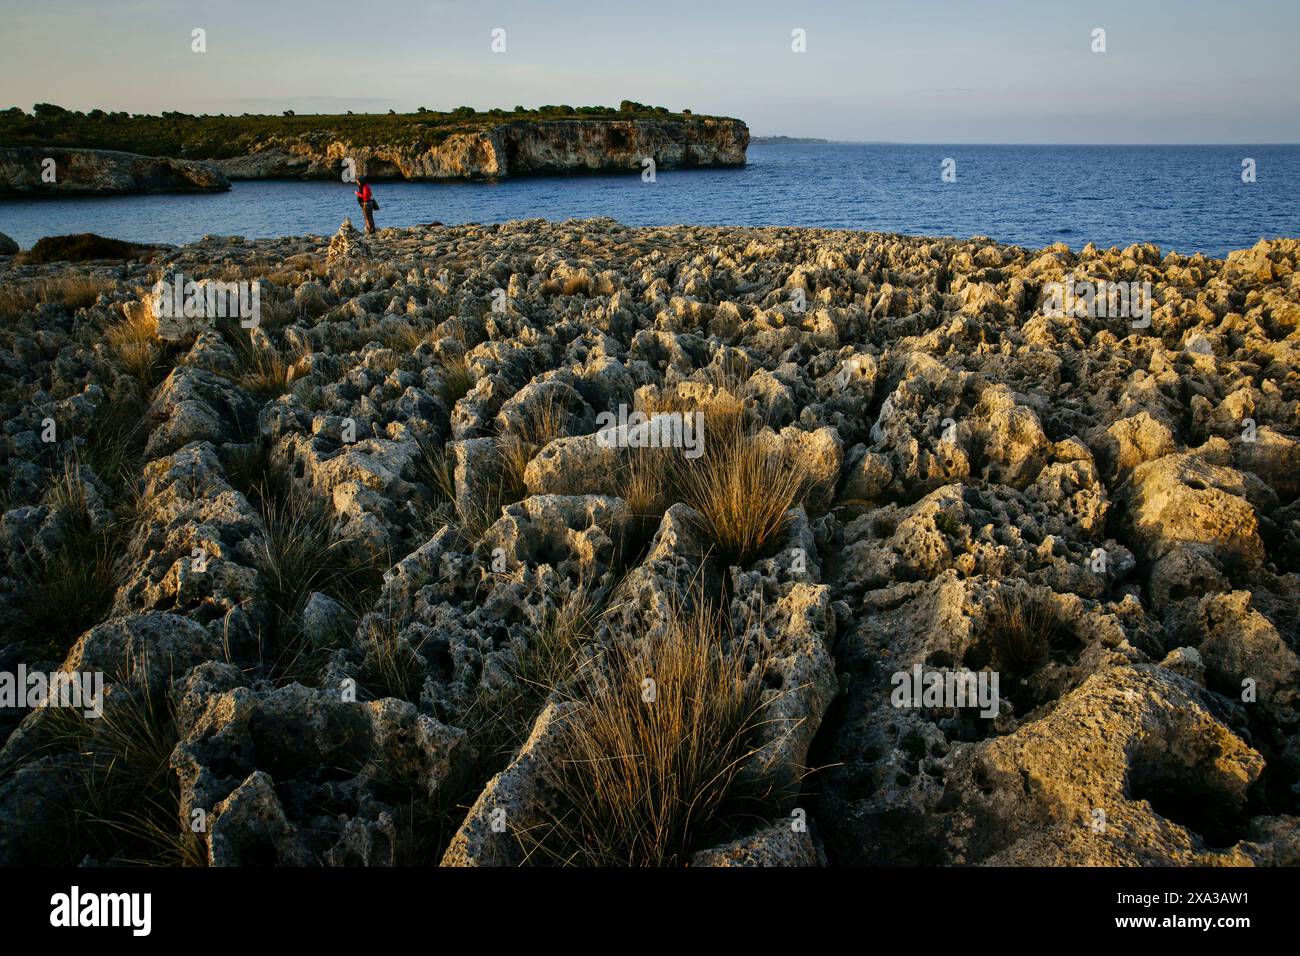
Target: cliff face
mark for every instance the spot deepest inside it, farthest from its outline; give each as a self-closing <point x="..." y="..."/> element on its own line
<point x="514" y="149"/>
<point x="102" y="172"/>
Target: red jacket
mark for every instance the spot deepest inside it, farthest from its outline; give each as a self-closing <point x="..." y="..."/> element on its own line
<point x="364" y="194"/>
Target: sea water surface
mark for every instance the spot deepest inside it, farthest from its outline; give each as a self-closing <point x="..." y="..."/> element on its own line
<point x="1184" y="198"/>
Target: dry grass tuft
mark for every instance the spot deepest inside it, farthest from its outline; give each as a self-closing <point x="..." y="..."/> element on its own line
<point x="134" y="343"/>
<point x="300" y="553"/>
<point x="120" y="799"/>
<point x="263" y="369"/>
<point x="70" y="586"/>
<point x="474" y="518"/>
<point x="115" y="444"/>
<point x="498" y="722"/>
<point x="516" y="447"/>
<point x="575" y="284"/>
<point x="312" y="265"/>
<point x="741" y="489"/>
<point x="503" y="485"/>
<point x="76" y="292"/>
<point x="402" y="338"/>
<point x="647" y="782"/>
<point x="1022" y="632"/>
<point x="435" y="470"/>
<point x="739" y="485"/>
<point x="456" y="377"/>
<point x="392" y="666"/>
<point x="18" y="299"/>
<point x="275" y="311"/>
<point x="644" y="485"/>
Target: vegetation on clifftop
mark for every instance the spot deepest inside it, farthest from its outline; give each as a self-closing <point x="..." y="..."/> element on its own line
<point x="221" y="137"/>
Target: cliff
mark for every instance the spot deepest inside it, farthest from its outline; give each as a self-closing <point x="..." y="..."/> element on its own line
<point x="101" y="172"/>
<point x="512" y="149"/>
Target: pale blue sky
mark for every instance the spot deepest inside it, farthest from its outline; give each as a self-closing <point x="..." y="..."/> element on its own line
<point x="940" y="71"/>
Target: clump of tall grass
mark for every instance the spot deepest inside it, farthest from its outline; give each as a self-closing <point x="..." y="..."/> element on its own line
<point x="70" y="586"/>
<point x="261" y="366"/>
<point x="391" y="665"/>
<point x="541" y="424"/>
<point x="546" y="659"/>
<point x="651" y="761"/>
<point x="263" y="369"/>
<point x="742" y="487"/>
<point x="301" y="553"/>
<point x="135" y="344"/>
<point x="1023" y="632"/>
<point x="644" y="485"/>
<point x="119" y="800"/>
<point x="742" y="490"/>
<point x="115" y="442"/>
<point x="436" y="471"/>
<point x="456" y="377"/>
<point x="470" y="516"/>
<point x="18" y="299"/>
<point x="401" y="337"/>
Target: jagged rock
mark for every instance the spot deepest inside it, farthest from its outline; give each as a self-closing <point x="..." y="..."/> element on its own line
<point x="196" y="405"/>
<point x="583" y="464"/>
<point x="1272" y="457"/>
<point x="1132" y="441"/>
<point x="199" y="550"/>
<point x="778" y="844"/>
<point x="577" y="535"/>
<point x="1242" y="650"/>
<point x="796" y="632"/>
<point x="264" y="764"/>
<point x="516" y="801"/>
<point x="1198" y="498"/>
<point x="323" y="616"/>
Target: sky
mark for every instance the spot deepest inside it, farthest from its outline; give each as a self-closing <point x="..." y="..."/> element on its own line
<point x="923" y="71"/>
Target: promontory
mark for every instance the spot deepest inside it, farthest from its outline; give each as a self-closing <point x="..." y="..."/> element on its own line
<point x="98" y="152"/>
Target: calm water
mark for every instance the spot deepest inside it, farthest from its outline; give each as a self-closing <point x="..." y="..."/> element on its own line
<point x="1188" y="198"/>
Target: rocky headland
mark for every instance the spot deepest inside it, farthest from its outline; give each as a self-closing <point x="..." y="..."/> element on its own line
<point x="368" y="586"/>
<point x="498" y="152"/>
<point x="426" y="146"/>
<point x="32" y="171"/>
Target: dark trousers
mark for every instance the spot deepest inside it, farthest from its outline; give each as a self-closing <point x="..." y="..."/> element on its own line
<point x="369" y="215"/>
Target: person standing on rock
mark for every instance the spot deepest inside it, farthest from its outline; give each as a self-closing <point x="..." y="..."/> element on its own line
<point x="366" y="198"/>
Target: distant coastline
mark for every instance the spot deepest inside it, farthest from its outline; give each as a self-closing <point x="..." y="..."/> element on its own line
<point x="784" y="140"/>
<point x="98" y="153"/>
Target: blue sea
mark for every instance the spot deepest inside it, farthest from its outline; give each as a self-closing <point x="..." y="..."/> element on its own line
<point x="1184" y="198"/>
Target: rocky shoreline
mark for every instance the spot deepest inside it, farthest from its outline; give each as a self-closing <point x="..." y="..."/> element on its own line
<point x="341" y="547"/>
